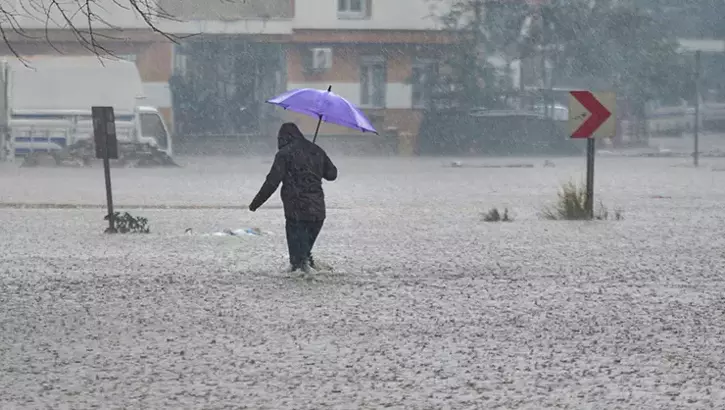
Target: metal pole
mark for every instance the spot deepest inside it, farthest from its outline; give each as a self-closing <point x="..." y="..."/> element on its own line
<point x="522" y="88"/>
<point x="544" y="87"/>
<point x="319" y="120"/>
<point x="109" y="196"/>
<point x="5" y="119"/>
<point x="590" y="177"/>
<point x="696" y="128"/>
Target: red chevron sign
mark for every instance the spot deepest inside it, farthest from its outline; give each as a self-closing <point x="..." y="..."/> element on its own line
<point x="585" y="123"/>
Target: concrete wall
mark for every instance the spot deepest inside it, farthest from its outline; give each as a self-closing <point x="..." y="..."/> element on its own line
<point x="267" y="17"/>
<point x="379" y="15"/>
<point x="705" y="45"/>
<point x="187" y="16"/>
<point x="41" y="14"/>
<point x="190" y="10"/>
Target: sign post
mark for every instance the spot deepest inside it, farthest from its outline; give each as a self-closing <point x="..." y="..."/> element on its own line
<point x="104" y="135"/>
<point x="7" y="146"/>
<point x="591" y="153"/>
<point x="591" y="116"/>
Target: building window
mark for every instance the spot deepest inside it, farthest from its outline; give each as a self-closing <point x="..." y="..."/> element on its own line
<point x="372" y="82"/>
<point x="423" y="77"/>
<point x="180" y="61"/>
<point x="352" y="9"/>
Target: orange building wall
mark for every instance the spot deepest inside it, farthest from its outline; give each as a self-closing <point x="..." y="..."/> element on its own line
<point x="346" y="63"/>
<point x="345" y="69"/>
<point x="155" y="62"/>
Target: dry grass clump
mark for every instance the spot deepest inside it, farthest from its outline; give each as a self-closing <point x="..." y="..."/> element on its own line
<point x="571" y="206"/>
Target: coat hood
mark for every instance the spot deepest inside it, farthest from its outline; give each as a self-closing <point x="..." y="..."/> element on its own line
<point x="288" y="132"/>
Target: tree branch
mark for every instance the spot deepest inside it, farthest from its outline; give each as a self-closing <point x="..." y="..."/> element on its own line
<point x="85" y="19"/>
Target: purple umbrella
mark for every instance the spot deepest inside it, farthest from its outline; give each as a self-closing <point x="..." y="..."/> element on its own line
<point x="325" y="106"/>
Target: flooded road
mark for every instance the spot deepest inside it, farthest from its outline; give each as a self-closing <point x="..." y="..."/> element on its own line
<point x="429" y="307"/>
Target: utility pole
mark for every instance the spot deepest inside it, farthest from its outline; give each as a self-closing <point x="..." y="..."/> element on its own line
<point x="475" y="99"/>
<point x="477" y="24"/>
<point x="696" y="128"/>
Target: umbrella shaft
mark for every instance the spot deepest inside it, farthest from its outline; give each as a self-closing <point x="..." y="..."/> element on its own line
<point x="319" y="122"/>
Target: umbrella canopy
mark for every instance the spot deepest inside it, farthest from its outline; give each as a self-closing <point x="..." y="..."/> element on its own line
<point x="325" y="106"/>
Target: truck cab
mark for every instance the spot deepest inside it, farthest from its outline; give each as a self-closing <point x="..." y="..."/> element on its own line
<point x="152" y="129"/>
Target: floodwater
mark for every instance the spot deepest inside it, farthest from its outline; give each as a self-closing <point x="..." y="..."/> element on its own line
<point x="428" y="307"/>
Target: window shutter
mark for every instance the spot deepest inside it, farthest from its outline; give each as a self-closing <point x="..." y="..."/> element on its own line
<point x="368" y="8"/>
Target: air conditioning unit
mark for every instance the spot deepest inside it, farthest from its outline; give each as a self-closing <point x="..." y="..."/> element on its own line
<point x="321" y="59"/>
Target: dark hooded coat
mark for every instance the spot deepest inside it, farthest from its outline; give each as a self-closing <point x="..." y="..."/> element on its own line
<point x="300" y="166"/>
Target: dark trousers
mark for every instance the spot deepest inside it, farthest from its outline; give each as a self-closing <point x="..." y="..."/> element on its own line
<point x="301" y="237"/>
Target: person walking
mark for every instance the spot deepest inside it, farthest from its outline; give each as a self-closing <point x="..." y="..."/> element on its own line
<point x="300" y="166"/>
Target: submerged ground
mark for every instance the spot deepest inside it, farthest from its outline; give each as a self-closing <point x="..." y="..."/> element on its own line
<point x="429" y="307"/>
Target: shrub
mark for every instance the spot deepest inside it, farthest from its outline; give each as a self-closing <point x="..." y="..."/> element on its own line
<point x="127" y="223"/>
<point x="493" y="215"/>
<point x="571" y="206"/>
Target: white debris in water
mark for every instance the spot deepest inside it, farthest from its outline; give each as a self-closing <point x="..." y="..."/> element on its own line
<point x="238" y="232"/>
<point x="231" y="232"/>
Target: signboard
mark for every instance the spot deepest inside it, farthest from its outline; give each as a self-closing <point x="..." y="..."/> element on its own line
<point x="104" y="132"/>
<point x="592" y="115"/>
<point x="104" y="136"/>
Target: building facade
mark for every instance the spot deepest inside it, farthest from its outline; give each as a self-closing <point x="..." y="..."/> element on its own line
<point x="377" y="53"/>
<point x="229" y="57"/>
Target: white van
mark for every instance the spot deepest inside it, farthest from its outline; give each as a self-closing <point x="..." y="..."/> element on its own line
<point x="49" y="103"/>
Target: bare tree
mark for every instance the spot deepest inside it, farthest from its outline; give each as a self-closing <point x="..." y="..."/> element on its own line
<point x="91" y="22"/>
